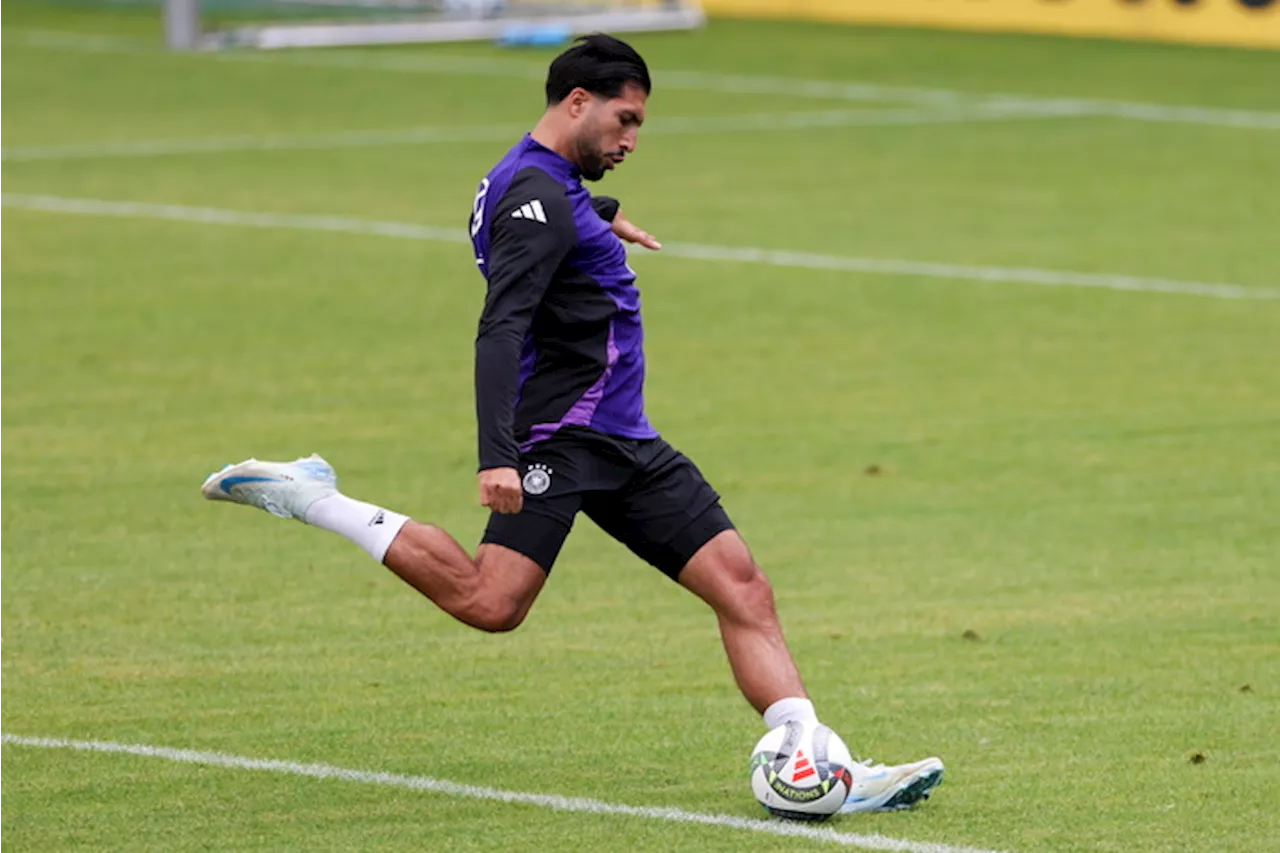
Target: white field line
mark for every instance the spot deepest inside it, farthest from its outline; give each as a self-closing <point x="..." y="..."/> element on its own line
<point x="689" y="80"/>
<point x="967" y="272"/>
<point x="218" y="216"/>
<point x="1212" y="116"/>
<point x="699" y="81"/>
<point x="827" y="89"/>
<point x="446" y="788"/>
<point x="496" y="133"/>
<point x="733" y="254"/>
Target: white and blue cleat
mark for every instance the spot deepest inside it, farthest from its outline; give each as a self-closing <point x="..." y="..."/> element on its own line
<point x="891" y="788"/>
<point x="285" y="489"/>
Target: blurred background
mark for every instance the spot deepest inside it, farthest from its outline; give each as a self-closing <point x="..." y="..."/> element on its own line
<point x="969" y="310"/>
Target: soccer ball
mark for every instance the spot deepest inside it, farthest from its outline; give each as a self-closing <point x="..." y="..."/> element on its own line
<point x="801" y="771"/>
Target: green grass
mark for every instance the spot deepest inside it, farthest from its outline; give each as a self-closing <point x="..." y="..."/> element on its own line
<point x="1087" y="479"/>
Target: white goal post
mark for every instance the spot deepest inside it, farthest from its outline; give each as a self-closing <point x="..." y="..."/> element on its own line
<point x="276" y="24"/>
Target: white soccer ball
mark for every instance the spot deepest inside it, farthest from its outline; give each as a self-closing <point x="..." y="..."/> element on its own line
<point x="801" y="771"/>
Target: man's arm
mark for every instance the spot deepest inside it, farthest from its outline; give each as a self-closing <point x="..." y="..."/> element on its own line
<point x="610" y="210"/>
<point x="605" y="207"/>
<point x="531" y="233"/>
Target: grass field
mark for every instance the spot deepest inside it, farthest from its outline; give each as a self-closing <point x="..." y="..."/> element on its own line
<point x="1083" y="478"/>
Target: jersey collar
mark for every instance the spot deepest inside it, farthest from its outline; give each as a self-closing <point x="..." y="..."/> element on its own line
<point x="566" y="168"/>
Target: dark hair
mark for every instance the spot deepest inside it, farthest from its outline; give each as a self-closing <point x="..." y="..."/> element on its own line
<point x="600" y="64"/>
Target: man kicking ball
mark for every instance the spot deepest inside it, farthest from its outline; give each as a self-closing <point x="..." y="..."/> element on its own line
<point x="562" y="429"/>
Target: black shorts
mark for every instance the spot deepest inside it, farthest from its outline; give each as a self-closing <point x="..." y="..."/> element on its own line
<point x="644" y="493"/>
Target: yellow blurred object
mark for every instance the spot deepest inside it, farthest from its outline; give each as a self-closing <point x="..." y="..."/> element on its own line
<point x="1246" y="23"/>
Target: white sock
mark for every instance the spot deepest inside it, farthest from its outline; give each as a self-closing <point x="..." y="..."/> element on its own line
<point x="371" y="527"/>
<point x="785" y="711"/>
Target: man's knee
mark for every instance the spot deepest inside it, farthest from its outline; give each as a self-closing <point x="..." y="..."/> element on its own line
<point x="506" y="584"/>
<point x="491" y="609"/>
<point x="496" y="615"/>
<point x="726" y="576"/>
<point x="753" y="594"/>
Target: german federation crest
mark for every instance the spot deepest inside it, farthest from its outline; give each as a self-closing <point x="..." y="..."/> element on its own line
<point x="537" y="479"/>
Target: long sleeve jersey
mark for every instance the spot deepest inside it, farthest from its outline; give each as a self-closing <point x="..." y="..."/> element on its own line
<point x="560" y="340"/>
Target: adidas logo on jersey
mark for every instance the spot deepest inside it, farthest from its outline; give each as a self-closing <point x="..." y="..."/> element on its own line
<point x="532" y="210"/>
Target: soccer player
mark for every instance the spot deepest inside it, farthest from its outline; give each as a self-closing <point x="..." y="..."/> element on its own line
<point x="559" y="375"/>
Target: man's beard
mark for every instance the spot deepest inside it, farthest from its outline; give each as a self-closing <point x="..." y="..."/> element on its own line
<point x="592" y="161"/>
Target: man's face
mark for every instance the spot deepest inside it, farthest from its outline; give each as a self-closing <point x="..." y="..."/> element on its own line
<point x="606" y="129"/>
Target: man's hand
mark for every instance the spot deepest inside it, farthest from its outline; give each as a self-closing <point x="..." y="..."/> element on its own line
<point x="627" y="230"/>
<point x="500" y="490"/>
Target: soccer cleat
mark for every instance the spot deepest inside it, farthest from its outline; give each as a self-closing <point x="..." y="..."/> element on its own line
<point x="285" y="489"/>
<point x="890" y="788"/>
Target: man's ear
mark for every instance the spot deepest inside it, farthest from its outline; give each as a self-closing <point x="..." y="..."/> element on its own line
<point x="578" y="100"/>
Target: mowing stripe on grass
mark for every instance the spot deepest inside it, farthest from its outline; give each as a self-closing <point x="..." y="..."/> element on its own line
<point x="692" y="251"/>
<point x="500" y="132"/>
<point x="687" y="80"/>
<point x="474" y="792"/>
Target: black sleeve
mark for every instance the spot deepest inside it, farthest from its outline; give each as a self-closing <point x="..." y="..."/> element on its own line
<point x="606" y="207"/>
<point x="532" y="232"/>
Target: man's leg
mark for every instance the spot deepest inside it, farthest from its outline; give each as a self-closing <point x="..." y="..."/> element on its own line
<point x="493" y="592"/>
<point x="723" y="574"/>
<point x="669" y="516"/>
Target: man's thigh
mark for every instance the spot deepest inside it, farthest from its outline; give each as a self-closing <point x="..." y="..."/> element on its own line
<point x="665" y="513"/>
<point x="555" y="474"/>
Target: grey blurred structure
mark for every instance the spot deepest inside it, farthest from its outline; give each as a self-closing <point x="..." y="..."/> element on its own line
<point x="273" y="24"/>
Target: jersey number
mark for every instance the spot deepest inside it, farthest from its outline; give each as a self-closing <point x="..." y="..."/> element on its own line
<point x="477" y="209"/>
